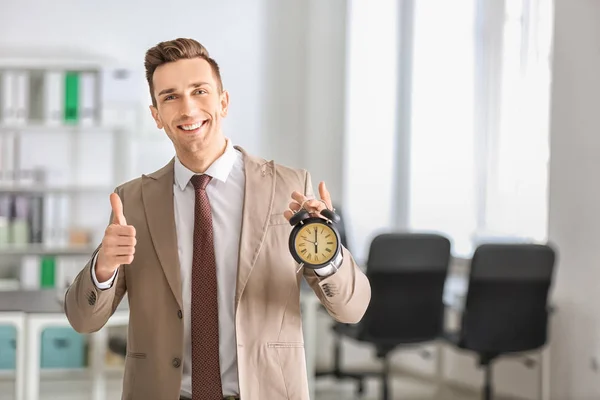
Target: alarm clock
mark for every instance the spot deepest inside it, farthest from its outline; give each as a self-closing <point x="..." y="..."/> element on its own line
<point x="314" y="241"/>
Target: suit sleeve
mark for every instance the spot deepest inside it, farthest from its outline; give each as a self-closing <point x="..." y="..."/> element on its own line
<point x="88" y="307"/>
<point x="102" y="285"/>
<point x="346" y="293"/>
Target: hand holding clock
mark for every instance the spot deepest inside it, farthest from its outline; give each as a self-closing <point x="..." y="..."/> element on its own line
<point x="314" y="240"/>
<point x="313" y="206"/>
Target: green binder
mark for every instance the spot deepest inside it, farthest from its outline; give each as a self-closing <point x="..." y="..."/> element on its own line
<point x="47" y="273"/>
<point x="71" y="97"/>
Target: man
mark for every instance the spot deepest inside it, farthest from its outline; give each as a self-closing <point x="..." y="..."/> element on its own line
<point x="201" y="248"/>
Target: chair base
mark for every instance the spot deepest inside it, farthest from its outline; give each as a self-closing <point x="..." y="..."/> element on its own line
<point x="485" y="361"/>
<point x="359" y="377"/>
<point x="341" y="375"/>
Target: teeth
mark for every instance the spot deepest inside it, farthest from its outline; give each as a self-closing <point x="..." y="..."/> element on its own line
<point x="191" y="127"/>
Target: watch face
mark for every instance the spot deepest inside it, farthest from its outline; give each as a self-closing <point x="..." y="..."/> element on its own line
<point x="316" y="243"/>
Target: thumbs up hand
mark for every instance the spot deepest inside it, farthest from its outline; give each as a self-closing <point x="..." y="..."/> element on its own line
<point x="118" y="244"/>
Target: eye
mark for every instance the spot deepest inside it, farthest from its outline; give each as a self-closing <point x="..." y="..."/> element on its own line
<point x="170" y="97"/>
<point x="201" y="91"/>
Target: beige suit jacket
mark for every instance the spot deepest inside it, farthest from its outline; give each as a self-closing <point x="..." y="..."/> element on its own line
<point x="270" y="345"/>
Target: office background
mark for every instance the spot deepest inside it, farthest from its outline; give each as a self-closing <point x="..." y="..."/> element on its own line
<point x="477" y="119"/>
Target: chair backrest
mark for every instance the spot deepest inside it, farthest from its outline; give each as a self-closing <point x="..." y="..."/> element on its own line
<point x="407" y="272"/>
<point x="506" y="308"/>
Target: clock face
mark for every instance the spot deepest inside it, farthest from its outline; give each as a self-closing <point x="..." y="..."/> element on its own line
<point x="316" y="243"/>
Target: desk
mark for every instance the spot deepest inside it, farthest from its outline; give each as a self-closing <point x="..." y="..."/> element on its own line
<point x="17" y="319"/>
<point x="31" y="311"/>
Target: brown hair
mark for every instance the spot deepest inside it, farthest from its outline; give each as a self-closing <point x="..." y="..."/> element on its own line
<point x="174" y="50"/>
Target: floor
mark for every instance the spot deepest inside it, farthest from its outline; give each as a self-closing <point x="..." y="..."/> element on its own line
<point x="326" y="389"/>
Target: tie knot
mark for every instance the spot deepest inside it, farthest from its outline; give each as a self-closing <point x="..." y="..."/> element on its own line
<point x="200" y="181"/>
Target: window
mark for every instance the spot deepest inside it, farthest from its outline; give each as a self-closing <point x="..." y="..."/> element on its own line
<point x="479" y="123"/>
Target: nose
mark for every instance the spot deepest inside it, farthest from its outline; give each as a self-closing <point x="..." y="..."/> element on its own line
<point x="187" y="107"/>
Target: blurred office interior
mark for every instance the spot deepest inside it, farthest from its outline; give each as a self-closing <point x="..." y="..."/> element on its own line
<point x="443" y="129"/>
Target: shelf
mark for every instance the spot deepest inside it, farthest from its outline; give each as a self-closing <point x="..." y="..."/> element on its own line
<point x="70" y="189"/>
<point x="55" y="58"/>
<point x="42" y="250"/>
<point x="9" y="284"/>
<point x="66" y="373"/>
<point x="53" y="129"/>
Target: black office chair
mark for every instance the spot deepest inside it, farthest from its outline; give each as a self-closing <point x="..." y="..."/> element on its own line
<point x="506" y="309"/>
<point x="407" y="273"/>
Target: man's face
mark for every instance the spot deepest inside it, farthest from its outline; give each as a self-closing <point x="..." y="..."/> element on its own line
<point x="189" y="105"/>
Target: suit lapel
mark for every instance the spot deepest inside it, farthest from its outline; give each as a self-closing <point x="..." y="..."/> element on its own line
<point x="259" y="193"/>
<point x="157" y="196"/>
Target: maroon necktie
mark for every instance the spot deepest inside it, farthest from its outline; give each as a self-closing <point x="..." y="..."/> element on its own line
<point x="206" y="372"/>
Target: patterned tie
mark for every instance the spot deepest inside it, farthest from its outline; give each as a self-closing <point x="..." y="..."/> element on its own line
<point x="206" y="371"/>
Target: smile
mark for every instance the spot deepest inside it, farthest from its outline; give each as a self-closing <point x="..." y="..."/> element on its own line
<point x="193" y="127"/>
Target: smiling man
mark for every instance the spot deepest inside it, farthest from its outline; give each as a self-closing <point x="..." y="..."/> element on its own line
<point x="201" y="248"/>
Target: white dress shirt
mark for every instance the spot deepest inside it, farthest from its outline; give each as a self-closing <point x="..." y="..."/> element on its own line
<point x="226" y="195"/>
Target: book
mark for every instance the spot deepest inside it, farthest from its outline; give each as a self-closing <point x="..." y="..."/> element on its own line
<point x="71" y="97"/>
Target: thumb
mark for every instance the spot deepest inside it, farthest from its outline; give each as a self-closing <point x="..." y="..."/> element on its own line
<point x="117" y="209"/>
<point x="325" y="196"/>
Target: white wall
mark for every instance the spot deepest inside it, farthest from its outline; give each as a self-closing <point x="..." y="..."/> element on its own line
<point x="231" y="30"/>
<point x="304" y="87"/>
<point x="574" y="217"/>
<point x="369" y="144"/>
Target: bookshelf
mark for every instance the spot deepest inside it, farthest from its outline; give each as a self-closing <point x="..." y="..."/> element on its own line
<point x="41" y="250"/>
<point x="66" y="123"/>
<point x="73" y="189"/>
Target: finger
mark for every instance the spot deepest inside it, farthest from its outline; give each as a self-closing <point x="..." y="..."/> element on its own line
<point x="314" y="205"/>
<point x="288" y="214"/>
<point x="304" y="202"/>
<point x="127" y="241"/>
<point x="124" y="259"/>
<point x="325" y="196"/>
<point x="119" y="241"/>
<point x="120" y="230"/>
<point x="117" y="209"/>
<point x="119" y="251"/>
<point x="299" y="197"/>
<point x="294" y="206"/>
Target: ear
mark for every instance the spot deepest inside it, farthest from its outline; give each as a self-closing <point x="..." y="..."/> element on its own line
<point x="224" y="103"/>
<point x="156" y="117"/>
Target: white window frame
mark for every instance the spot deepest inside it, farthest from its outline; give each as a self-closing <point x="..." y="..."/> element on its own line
<point x="490" y="20"/>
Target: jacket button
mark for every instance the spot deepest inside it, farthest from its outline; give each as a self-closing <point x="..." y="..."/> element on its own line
<point x="176" y="362"/>
<point x="179" y="314"/>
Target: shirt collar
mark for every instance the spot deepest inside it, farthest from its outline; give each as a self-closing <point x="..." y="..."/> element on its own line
<point x="219" y="169"/>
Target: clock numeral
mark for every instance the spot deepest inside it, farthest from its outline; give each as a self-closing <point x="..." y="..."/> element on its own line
<point x="327" y="236"/>
<point x="316" y="257"/>
<point x="322" y="231"/>
<point x="303" y="251"/>
<point x="302" y="245"/>
<point x="309" y="256"/>
<point x="329" y="242"/>
<point x="323" y="256"/>
<point x="304" y="237"/>
<point x="328" y="250"/>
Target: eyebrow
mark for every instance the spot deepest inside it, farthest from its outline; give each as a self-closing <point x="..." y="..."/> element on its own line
<point x="173" y="90"/>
